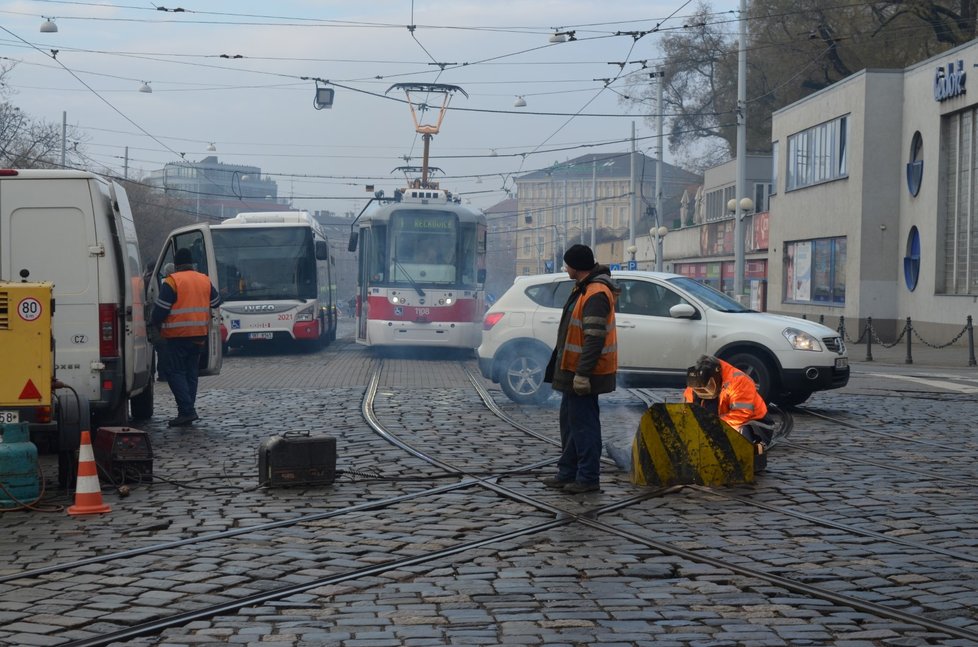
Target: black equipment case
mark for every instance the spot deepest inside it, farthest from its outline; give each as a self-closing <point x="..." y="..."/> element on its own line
<point x="296" y="458"/>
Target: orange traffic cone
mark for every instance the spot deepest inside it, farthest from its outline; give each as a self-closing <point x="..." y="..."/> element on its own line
<point x="88" y="493"/>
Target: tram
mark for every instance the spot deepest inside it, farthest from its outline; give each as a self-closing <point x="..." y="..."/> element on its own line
<point x="421" y="271"/>
<point x="422" y="256"/>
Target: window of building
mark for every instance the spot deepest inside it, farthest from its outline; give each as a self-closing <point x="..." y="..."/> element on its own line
<point x="526" y="246"/>
<point x="815" y="271"/>
<point x="761" y="193"/>
<point x="959" y="207"/>
<point x="819" y="154"/>
<point x="775" y="160"/>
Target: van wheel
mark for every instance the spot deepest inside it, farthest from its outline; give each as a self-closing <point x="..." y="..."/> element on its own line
<point x="757" y="369"/>
<point x="141" y="406"/>
<point x="521" y="377"/>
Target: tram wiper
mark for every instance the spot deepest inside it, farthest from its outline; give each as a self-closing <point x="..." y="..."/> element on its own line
<point x="414" y="284"/>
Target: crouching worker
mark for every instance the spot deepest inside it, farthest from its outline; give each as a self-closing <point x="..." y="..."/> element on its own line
<point x="728" y="393"/>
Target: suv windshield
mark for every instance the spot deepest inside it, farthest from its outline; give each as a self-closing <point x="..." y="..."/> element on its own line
<point x="710" y="296"/>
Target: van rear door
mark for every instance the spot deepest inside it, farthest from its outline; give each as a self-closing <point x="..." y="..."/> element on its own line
<point x="47" y="229"/>
<point x="196" y="238"/>
<point x="137" y="350"/>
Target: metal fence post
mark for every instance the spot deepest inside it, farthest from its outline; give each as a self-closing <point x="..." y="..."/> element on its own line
<point x="842" y="327"/>
<point x="821" y="319"/>
<point x="971" y="344"/>
<point x="908" y="332"/>
<point x="869" y="339"/>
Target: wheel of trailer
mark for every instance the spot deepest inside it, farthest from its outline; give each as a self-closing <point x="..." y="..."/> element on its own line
<point x="757" y="369"/>
<point x="521" y="376"/>
<point x="141" y="406"/>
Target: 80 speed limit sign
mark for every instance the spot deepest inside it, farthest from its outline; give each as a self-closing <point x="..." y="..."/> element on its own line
<point x="29" y="309"/>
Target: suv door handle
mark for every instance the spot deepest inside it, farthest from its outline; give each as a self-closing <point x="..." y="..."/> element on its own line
<point x="624" y="324"/>
<point x="550" y="320"/>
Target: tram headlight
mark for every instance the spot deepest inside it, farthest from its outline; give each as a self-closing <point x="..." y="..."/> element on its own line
<point x="395" y="299"/>
<point x="306" y="314"/>
<point x="449" y="301"/>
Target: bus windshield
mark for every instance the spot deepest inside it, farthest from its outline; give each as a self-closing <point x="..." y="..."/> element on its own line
<point x="423" y="247"/>
<point x="265" y="263"/>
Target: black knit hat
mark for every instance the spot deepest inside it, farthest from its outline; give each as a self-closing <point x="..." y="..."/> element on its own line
<point x="183" y="257"/>
<point x="579" y="257"/>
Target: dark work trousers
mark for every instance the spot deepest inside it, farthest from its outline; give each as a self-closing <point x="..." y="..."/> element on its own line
<point x="161" y="359"/>
<point x="580" y="439"/>
<point x="183" y="358"/>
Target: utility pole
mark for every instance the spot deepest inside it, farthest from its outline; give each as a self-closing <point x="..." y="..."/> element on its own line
<point x="125" y="165"/>
<point x="633" y="211"/>
<point x="658" y="173"/>
<point x="741" y="185"/>
<point x="594" y="199"/>
<point x="64" y="136"/>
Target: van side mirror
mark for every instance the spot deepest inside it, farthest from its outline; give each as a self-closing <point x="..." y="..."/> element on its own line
<point x="354" y="237"/>
<point x="322" y="250"/>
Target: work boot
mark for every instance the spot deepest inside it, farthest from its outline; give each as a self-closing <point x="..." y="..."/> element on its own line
<point x="181" y="421"/>
<point x="555" y="483"/>
<point x="581" y="488"/>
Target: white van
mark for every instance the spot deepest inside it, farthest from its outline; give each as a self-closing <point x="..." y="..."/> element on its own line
<point x="75" y="230"/>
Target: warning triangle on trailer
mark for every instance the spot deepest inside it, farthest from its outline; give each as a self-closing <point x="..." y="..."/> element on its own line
<point x="30" y="392"/>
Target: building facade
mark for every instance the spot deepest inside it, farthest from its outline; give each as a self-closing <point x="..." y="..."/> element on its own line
<point x="875" y="205"/>
<point x="213" y="190"/>
<point x="500" y="248"/>
<point x="591" y="200"/>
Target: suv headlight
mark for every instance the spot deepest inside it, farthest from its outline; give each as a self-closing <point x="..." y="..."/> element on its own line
<point x="306" y="314"/>
<point x="801" y="340"/>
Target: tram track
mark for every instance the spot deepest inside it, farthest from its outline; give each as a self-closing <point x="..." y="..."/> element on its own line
<point x="563" y="515"/>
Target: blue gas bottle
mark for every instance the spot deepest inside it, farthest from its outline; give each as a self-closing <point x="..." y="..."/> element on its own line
<point x="18" y="466"/>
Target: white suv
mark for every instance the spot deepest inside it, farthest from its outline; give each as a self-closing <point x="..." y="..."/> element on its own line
<point x="665" y="322"/>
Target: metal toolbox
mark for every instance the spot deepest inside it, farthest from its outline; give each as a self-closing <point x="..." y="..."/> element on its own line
<point x="296" y="458"/>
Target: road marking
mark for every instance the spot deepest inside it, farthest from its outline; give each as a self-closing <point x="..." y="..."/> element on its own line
<point x="960" y="388"/>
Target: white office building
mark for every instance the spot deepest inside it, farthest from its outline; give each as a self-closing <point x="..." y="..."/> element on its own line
<point x="874" y="211"/>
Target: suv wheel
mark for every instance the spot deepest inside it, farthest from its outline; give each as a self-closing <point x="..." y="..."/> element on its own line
<point x="757" y="370"/>
<point x="521" y="376"/>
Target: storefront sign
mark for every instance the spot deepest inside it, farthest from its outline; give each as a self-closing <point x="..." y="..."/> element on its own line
<point x="949" y="81"/>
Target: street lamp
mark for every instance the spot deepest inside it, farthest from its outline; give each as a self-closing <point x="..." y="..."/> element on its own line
<point x="658" y="234"/>
<point x="631" y="249"/>
<point x="739" y="209"/>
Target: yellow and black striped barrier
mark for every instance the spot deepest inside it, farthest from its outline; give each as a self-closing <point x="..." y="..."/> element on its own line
<point x="680" y="444"/>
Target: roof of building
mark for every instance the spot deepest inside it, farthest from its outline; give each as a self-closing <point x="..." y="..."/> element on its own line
<point x="608" y="165"/>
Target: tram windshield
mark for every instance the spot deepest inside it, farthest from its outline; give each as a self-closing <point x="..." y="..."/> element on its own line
<point x="265" y="263"/>
<point x="428" y="248"/>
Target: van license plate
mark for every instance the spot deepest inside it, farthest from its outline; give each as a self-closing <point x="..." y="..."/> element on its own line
<point x="260" y="335"/>
<point x="9" y="417"/>
<point x="841" y="362"/>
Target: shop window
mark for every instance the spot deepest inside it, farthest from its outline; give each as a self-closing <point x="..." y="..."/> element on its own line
<point x="815" y="271"/>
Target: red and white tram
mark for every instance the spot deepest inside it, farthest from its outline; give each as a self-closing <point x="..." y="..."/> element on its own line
<point x="421" y="271"/>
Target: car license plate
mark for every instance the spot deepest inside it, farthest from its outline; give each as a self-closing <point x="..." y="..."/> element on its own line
<point x="9" y="417"/>
<point x="841" y="362"/>
<point x="260" y="335"/>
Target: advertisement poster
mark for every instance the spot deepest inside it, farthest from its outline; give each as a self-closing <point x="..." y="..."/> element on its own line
<point x="761" y="230"/>
<point x="802" y="283"/>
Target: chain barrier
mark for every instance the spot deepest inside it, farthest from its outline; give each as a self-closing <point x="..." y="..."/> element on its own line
<point x="870" y="336"/>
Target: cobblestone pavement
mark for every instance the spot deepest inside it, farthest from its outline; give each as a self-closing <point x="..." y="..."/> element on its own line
<point x="890" y="523"/>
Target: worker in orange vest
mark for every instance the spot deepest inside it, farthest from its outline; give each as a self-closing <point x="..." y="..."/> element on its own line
<point x="583" y="365"/>
<point x="182" y="313"/>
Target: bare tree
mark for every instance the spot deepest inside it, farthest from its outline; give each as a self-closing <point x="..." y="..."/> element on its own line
<point x="155" y="215"/>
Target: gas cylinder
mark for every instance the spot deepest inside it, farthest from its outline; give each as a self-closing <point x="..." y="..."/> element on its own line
<point x="18" y="466"/>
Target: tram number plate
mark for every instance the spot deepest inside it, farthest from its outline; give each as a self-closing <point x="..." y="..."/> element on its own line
<point x="260" y="335"/>
<point x="9" y="417"/>
<point x="841" y="362"/>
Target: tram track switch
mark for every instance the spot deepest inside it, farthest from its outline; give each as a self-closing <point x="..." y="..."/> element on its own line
<point x="124" y="454"/>
<point x="296" y="458"/>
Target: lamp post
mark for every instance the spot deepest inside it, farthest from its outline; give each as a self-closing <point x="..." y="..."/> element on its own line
<point x="740" y="209"/>
<point x="741" y="152"/>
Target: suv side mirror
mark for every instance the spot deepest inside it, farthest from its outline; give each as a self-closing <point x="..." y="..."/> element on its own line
<point x="682" y="311"/>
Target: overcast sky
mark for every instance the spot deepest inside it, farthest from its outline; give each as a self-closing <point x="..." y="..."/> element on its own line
<point x="231" y="74"/>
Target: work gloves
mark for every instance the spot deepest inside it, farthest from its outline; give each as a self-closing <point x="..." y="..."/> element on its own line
<point x="582" y="385"/>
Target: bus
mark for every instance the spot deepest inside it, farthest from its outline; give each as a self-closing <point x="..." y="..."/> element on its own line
<point x="276" y="278"/>
<point x="421" y="271"/>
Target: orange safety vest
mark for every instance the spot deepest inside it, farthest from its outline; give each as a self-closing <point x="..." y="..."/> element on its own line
<point x="191" y="312"/>
<point x="574" y="344"/>
<point x="739" y="400"/>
